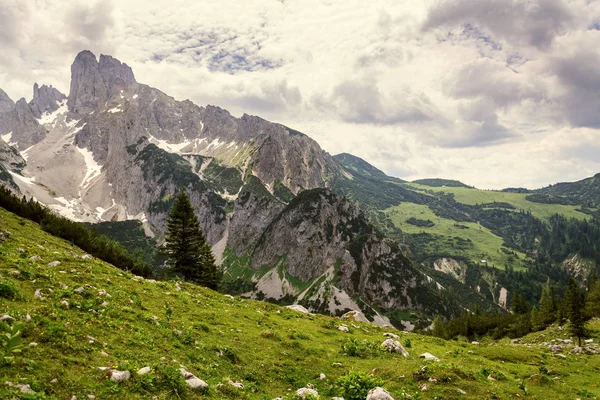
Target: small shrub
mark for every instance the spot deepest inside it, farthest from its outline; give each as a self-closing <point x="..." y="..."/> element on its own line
<point x="361" y="349"/>
<point x="8" y="290"/>
<point x="10" y="341"/>
<point x="356" y="385"/>
<point x="170" y="378"/>
<point x="407" y="343"/>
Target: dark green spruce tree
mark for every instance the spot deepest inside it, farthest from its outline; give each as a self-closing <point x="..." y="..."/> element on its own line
<point x="575" y="310"/>
<point x="188" y="252"/>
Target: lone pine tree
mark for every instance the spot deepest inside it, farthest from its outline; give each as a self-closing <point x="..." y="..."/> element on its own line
<point x="186" y="248"/>
<point x="575" y="306"/>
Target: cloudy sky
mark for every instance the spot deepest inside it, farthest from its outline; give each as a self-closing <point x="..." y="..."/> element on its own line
<point x="495" y="93"/>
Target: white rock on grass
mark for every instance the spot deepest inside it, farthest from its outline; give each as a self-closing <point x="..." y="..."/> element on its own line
<point x="6" y="318"/>
<point x="193" y="381"/>
<point x="64" y="303"/>
<point x="379" y="394"/>
<point x="35" y="258"/>
<point x="144" y="371"/>
<point x="79" y="290"/>
<point x="299" y="308"/>
<point x="38" y="294"/>
<point x="119" y="376"/>
<point x="303" y="392"/>
<point x="474" y="342"/>
<point x="53" y="264"/>
<point x="343" y="328"/>
<point x="394" y="346"/>
<point x="429" y="357"/>
<point x="237" y="385"/>
<point x="391" y="335"/>
<point x="23" y="388"/>
<point x="322" y="376"/>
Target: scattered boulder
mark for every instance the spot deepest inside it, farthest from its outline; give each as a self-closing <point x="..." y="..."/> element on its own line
<point x="343" y="328"/>
<point x="379" y="393"/>
<point x="491" y="378"/>
<point x="6" y="318"/>
<point x="23" y="388"/>
<point x="475" y="342"/>
<point x="305" y="391"/>
<point x="119" y="376"/>
<point x="79" y="290"/>
<point x="64" y="303"/>
<point x="237" y="385"/>
<point x="560" y="356"/>
<point x="555" y="348"/>
<point x="144" y="371"/>
<point x="322" y="376"/>
<point x="38" y="294"/>
<point x="53" y="264"/>
<point x="229" y="296"/>
<point x="429" y="357"/>
<point x="589" y="341"/>
<point x="86" y="257"/>
<point x="394" y="346"/>
<point x="299" y="308"/>
<point x="193" y="381"/>
<point x="391" y="335"/>
<point x="356" y="316"/>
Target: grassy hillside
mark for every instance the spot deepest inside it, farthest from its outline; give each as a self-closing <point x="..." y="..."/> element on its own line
<point x="124" y="322"/>
<point x="474" y="196"/>
<point x="456" y="239"/>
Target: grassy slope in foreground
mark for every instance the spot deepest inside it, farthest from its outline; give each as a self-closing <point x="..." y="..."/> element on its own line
<point x="272" y="350"/>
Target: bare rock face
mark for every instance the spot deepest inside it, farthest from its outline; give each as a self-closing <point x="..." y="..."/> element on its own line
<point x="319" y="233"/>
<point x="6" y="103"/>
<point x="93" y="82"/>
<point x="251" y="217"/>
<point x="46" y="99"/>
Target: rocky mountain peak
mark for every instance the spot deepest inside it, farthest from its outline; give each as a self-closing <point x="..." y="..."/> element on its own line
<point x="45" y="99"/>
<point x="6" y="103"/>
<point x="93" y="81"/>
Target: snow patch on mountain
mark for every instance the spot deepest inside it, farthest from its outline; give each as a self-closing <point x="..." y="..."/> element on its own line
<point x="24" y="153"/>
<point x="7" y="138"/>
<point x="50" y="118"/>
<point x="170" y="147"/>
<point x="24" y="179"/>
<point x="93" y="168"/>
<point x="67" y="208"/>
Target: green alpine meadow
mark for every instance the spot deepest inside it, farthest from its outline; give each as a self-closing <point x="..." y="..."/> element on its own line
<point x="79" y="321"/>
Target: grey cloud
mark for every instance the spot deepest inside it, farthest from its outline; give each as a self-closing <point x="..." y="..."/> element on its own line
<point x="91" y="21"/>
<point x="361" y="101"/>
<point x="13" y="14"/>
<point x="520" y="22"/>
<point x="580" y="77"/>
<point x="272" y="99"/>
<point x="487" y="78"/>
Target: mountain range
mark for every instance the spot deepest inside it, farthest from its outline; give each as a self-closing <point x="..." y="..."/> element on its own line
<point x="289" y="222"/>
